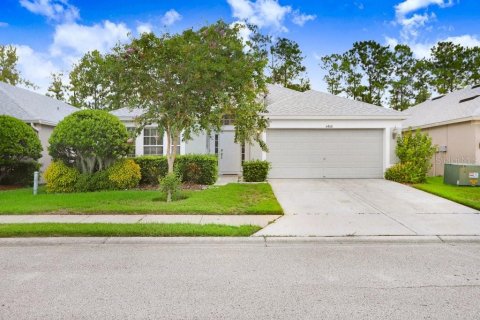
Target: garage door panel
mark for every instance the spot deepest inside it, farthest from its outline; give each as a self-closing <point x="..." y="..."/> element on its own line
<point x="317" y="153"/>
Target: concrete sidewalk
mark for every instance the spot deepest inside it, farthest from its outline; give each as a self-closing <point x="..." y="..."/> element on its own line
<point x="232" y="220"/>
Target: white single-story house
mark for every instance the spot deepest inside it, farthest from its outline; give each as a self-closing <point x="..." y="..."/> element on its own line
<point x="310" y="135"/>
<point x="453" y="123"/>
<point x="39" y="111"/>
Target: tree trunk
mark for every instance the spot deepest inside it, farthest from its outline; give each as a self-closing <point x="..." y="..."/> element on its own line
<point x="171" y="154"/>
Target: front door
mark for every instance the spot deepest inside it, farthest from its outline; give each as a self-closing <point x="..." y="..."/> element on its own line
<point x="229" y="153"/>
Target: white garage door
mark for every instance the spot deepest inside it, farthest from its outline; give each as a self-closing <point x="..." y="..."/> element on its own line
<point x="317" y="153"/>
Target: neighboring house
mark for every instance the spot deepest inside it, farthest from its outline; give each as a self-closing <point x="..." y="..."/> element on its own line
<point x="39" y="111"/>
<point x="310" y="135"/>
<point x="453" y="122"/>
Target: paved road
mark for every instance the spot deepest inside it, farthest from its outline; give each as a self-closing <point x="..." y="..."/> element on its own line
<point x="365" y="207"/>
<point x="240" y="281"/>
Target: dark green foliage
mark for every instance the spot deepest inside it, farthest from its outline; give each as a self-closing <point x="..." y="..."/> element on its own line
<point x="415" y="150"/>
<point x="18" y="143"/>
<point x="369" y="70"/>
<point x="199" y="169"/>
<point x="286" y="65"/>
<point x="91" y="140"/>
<point x="97" y="181"/>
<point x="152" y="168"/>
<point x="255" y="170"/>
<point x="21" y="173"/>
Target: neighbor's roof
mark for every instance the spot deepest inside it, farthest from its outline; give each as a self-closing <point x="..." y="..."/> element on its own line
<point x="29" y="106"/>
<point x="452" y="107"/>
<point x="284" y="102"/>
<point x="319" y="104"/>
<point x="126" y="113"/>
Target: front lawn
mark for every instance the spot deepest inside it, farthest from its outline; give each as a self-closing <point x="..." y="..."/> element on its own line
<point x="123" y="230"/>
<point x="233" y="198"/>
<point x="468" y="196"/>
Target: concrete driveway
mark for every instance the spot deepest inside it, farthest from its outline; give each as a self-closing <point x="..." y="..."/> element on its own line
<point x="365" y="207"/>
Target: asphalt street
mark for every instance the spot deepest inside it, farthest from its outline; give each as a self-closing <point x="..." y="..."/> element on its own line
<point x="203" y="280"/>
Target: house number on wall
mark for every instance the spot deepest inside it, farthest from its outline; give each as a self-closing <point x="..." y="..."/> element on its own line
<point x="329" y="126"/>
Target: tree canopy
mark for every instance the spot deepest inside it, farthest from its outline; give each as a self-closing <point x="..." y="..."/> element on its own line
<point x="394" y="77"/>
<point x="286" y="65"/>
<point x="8" y="67"/>
<point x="186" y="83"/>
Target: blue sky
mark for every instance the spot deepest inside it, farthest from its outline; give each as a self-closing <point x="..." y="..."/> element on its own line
<point x="50" y="35"/>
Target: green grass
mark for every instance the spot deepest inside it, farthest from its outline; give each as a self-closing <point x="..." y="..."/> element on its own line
<point x="236" y="199"/>
<point x="123" y="230"/>
<point x="468" y="196"/>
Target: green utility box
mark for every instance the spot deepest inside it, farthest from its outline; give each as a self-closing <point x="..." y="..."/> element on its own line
<point x="460" y="174"/>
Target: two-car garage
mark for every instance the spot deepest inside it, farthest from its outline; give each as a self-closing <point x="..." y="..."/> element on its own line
<point x="325" y="153"/>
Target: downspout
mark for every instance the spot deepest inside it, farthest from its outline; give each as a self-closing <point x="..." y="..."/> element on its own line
<point x="34" y="128"/>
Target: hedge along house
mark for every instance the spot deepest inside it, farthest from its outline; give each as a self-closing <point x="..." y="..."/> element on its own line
<point x="39" y="111"/>
<point x="453" y="123"/>
<point x="310" y="135"/>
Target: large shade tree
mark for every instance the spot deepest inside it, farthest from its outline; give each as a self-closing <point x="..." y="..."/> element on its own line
<point x="186" y="83"/>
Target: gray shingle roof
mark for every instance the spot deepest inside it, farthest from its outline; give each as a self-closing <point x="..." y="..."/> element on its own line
<point x="286" y="102"/>
<point x="315" y="103"/>
<point x="29" y="106"/>
<point x="446" y="109"/>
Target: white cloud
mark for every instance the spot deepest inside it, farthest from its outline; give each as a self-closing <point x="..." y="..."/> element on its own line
<point x="35" y="67"/>
<point x="263" y="13"/>
<point x="422" y="50"/>
<point x="144" y="27"/>
<point x="408" y="6"/>
<point x="301" y="18"/>
<point x="76" y="39"/>
<point x="412" y="22"/>
<point x="3" y="24"/>
<point x="170" y="17"/>
<point x="54" y="10"/>
<point x="267" y="13"/>
<point x="465" y="40"/>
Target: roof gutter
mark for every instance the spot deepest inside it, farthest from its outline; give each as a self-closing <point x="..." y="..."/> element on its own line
<point x="441" y="123"/>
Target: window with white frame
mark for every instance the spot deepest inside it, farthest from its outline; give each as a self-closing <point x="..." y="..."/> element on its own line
<point x="228" y="120"/>
<point x="152" y="142"/>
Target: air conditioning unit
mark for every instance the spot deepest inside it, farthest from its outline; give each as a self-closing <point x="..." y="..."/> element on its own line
<point x="460" y="174"/>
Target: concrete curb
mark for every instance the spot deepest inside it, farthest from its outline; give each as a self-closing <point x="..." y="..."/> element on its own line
<point x="239" y="241"/>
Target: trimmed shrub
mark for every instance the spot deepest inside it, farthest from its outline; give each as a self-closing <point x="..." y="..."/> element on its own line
<point x="19" y="145"/>
<point x="97" y="181"/>
<point x="405" y="173"/>
<point x="61" y="178"/>
<point x="21" y="173"/>
<point x="414" y="149"/>
<point x="151" y="168"/>
<point x="124" y="174"/>
<point x="255" y="170"/>
<point x="170" y="184"/>
<point x="199" y="169"/>
<point x="91" y="140"/>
